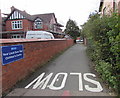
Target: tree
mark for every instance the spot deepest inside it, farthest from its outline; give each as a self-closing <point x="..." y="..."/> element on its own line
<point x="72" y="29"/>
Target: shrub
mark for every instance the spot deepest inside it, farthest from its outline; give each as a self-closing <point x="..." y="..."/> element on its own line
<point x="105" y="70"/>
<point x="103" y="35"/>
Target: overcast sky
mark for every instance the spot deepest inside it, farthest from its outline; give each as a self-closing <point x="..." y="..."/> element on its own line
<point x="77" y="10"/>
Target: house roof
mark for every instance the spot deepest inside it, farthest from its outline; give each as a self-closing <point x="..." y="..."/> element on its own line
<point x="46" y="18"/>
<point x="24" y="13"/>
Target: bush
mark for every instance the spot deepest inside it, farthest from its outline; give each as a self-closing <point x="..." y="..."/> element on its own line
<point x="105" y="70"/>
<point x="103" y="35"/>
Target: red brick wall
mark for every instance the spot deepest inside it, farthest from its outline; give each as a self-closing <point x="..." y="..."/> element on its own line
<point x="35" y="53"/>
<point x="27" y="25"/>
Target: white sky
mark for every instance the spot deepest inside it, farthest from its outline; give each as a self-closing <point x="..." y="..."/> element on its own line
<point x="77" y="10"/>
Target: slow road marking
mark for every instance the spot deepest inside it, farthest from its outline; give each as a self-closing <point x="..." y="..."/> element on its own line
<point x="42" y="83"/>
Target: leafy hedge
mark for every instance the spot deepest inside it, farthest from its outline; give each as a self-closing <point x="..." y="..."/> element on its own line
<point x="103" y="35"/>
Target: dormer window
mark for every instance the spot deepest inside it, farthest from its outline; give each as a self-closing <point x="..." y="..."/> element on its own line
<point x="38" y="24"/>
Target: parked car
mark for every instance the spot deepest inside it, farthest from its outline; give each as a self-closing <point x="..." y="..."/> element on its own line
<point x="39" y="35"/>
<point x="79" y="40"/>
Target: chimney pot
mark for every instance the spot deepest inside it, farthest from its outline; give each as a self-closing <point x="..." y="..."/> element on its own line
<point x="12" y="8"/>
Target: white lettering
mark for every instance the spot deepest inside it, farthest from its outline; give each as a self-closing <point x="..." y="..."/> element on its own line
<point x="11" y="53"/>
<point x="38" y="78"/>
<point x="20" y="51"/>
<point x="51" y="86"/>
<point x="39" y="83"/>
<point x="10" y="57"/>
<point x="16" y="51"/>
<point x="5" y="54"/>
<point x="43" y="83"/>
<point x="99" y="87"/>
<point x="80" y="80"/>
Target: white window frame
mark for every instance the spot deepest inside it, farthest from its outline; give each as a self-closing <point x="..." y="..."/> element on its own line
<point x="17" y="24"/>
<point x="17" y="36"/>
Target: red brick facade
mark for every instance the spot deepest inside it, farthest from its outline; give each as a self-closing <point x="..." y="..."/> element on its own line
<point x="27" y="25"/>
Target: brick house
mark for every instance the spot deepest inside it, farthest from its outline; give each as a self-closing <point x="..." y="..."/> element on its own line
<point x="109" y="6"/>
<point x="18" y="22"/>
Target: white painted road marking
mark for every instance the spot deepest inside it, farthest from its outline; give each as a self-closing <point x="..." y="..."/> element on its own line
<point x="51" y="86"/>
<point x="40" y="83"/>
<point x="99" y="87"/>
<point x="80" y="80"/>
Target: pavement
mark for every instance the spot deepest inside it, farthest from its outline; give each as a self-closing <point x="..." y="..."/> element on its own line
<point x="72" y="74"/>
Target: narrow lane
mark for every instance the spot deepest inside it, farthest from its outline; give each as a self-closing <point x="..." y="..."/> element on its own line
<point x="70" y="72"/>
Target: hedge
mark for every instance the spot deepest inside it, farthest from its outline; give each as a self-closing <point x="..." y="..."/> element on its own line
<point x="103" y="35"/>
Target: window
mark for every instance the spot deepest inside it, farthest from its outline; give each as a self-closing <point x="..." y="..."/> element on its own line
<point x="16" y="25"/>
<point x="17" y="36"/>
<point x="38" y="24"/>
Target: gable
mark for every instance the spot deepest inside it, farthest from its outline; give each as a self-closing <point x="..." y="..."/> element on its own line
<point x="53" y="19"/>
<point x="16" y="15"/>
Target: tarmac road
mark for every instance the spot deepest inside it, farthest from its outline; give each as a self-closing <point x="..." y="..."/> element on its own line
<point x="69" y="69"/>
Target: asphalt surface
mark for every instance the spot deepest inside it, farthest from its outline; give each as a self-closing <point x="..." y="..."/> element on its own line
<point x="74" y="60"/>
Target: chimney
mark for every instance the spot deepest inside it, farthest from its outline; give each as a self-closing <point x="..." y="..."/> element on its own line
<point x="12" y="8"/>
<point x="24" y="11"/>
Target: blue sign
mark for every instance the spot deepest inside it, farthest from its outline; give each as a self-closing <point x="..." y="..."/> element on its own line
<point x="12" y="53"/>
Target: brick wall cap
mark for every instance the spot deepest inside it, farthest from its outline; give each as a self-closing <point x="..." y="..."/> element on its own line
<point x="27" y="40"/>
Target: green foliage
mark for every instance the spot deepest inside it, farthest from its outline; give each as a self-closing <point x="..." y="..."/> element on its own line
<point x="103" y="34"/>
<point x="72" y="29"/>
<point x="105" y="69"/>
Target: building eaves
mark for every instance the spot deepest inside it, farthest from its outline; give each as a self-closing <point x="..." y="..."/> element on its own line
<point x="58" y="24"/>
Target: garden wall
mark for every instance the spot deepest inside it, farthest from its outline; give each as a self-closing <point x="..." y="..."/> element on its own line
<point x="36" y="53"/>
